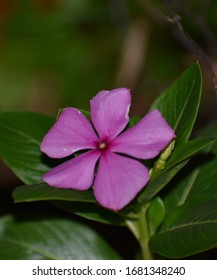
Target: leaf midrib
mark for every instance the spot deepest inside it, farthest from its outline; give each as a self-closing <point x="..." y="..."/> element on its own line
<point x="186" y="225"/>
<point x="185" y="105"/>
<point x="17" y="131"/>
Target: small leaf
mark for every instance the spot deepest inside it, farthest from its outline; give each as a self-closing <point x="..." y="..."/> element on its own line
<point x="86" y="113"/>
<point x="134" y="120"/>
<point x="20" y="137"/>
<point x="179" y="103"/>
<point x="155" y="214"/>
<point x="51" y="239"/>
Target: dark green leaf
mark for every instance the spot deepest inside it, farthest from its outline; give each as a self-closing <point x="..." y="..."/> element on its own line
<point x="180" y="102"/>
<point x="81" y="203"/>
<point x="20" y="137"/>
<point x="91" y="211"/>
<point x="42" y="191"/>
<point x="51" y="239"/>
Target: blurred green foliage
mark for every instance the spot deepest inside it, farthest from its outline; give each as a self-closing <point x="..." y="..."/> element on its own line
<point x="61" y="53"/>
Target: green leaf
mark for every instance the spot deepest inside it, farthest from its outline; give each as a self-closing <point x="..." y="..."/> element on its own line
<point x="155" y="214"/>
<point x="51" y="239"/>
<point x="81" y="203"/>
<point x="179" y="103"/>
<point x="91" y="211"/>
<point x="191" y="214"/>
<point x="134" y="120"/>
<point x="20" y="137"/>
<point x="189" y="230"/>
<point x="175" y="163"/>
<point x="86" y="113"/>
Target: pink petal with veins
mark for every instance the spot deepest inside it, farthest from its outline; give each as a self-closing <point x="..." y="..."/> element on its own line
<point x="72" y="132"/>
<point x="146" y="139"/>
<point x="76" y="173"/>
<point x="109" y="112"/>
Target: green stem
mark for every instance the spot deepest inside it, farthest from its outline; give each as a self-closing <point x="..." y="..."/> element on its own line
<point x="144" y="238"/>
<point x="139" y="228"/>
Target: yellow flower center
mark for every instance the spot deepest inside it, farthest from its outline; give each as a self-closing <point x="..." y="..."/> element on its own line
<point x="102" y="146"/>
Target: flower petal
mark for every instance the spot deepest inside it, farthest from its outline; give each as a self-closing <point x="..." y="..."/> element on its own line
<point x="77" y="173"/>
<point x="109" y="112"/>
<point x="118" y="180"/>
<point x="71" y="132"/>
<point x="146" y="139"/>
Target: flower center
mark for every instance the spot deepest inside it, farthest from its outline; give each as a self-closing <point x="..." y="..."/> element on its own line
<point x="102" y="145"/>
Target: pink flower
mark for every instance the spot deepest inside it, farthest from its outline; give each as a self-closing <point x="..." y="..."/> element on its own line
<point x="119" y="178"/>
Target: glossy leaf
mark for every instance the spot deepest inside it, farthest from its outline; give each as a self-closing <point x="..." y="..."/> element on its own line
<point x="51" y="239"/>
<point x="20" y="137"/>
<point x="190" y="224"/>
<point x="179" y="103"/>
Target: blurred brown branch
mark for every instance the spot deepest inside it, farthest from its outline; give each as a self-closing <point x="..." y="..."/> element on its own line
<point x="184" y="37"/>
<point x="190" y="42"/>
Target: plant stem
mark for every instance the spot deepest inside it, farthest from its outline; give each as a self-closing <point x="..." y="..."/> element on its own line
<point x="139" y="228"/>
